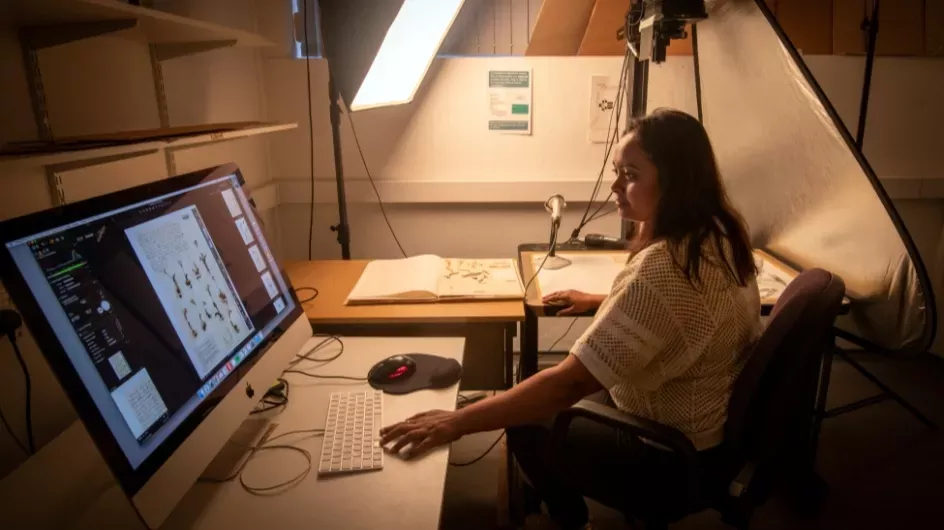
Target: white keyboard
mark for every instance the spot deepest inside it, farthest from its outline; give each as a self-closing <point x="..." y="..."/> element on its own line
<point x="352" y="433"/>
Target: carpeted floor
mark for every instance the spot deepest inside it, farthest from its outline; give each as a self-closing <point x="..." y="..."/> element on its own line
<point x="884" y="468"/>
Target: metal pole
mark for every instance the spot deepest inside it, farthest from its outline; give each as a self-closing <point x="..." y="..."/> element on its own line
<point x="640" y="96"/>
<point x="342" y="228"/>
<point x="871" y="26"/>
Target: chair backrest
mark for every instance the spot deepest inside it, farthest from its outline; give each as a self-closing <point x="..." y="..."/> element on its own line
<point x="772" y="401"/>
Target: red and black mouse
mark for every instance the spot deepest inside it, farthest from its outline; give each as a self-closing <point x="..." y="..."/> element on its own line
<point x="396" y="368"/>
<point x="402" y="374"/>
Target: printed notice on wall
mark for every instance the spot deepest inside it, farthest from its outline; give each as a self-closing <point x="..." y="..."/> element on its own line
<point x="509" y="101"/>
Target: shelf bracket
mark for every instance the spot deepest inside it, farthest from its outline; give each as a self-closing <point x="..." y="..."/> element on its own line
<point x="34" y="78"/>
<point x="54" y="172"/>
<point x="172" y="50"/>
<point x="39" y="37"/>
<point x="160" y="94"/>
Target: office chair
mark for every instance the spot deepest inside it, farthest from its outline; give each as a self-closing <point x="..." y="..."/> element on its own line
<point x="768" y="438"/>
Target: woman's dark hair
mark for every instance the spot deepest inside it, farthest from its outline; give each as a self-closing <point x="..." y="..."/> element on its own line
<point x="693" y="205"/>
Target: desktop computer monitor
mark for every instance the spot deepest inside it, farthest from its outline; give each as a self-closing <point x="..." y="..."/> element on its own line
<point x="164" y="316"/>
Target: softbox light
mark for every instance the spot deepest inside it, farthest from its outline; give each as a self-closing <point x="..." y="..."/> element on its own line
<point x="379" y="51"/>
<point x="792" y="168"/>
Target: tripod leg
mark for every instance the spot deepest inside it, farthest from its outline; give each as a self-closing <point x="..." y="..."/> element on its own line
<point x="891" y="393"/>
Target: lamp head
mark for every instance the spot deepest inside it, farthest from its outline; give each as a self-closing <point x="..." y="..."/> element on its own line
<point x="380" y="50"/>
<point x="555" y="205"/>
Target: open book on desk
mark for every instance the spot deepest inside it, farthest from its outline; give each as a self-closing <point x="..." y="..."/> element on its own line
<point x="431" y="278"/>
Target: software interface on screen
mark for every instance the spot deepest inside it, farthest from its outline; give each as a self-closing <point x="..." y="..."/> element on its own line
<point x="157" y="303"/>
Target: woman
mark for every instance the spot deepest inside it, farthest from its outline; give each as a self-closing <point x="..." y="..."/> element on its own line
<point x="666" y="344"/>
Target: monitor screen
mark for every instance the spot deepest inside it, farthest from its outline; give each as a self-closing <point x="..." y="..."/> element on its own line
<point x="155" y="303"/>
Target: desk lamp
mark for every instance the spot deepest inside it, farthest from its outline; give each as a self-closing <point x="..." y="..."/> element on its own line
<point x="554" y="206"/>
<point x="378" y="53"/>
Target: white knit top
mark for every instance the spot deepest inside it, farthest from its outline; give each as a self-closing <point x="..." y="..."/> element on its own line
<point x="668" y="351"/>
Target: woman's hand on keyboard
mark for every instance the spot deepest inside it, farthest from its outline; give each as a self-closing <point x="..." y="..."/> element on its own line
<point x="422" y="432"/>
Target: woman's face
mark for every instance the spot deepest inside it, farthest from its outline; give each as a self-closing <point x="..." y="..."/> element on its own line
<point x="636" y="186"/>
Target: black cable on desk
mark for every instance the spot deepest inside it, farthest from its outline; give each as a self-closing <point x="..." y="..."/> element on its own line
<point x="307" y="357"/>
<point x="314" y="294"/>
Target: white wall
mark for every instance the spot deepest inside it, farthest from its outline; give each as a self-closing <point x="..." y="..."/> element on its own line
<point x="103" y="85"/>
<point x="439" y="149"/>
<point x="438" y="168"/>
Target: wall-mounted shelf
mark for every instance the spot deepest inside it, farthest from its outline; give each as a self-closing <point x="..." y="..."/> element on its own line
<point x="128" y="143"/>
<point x="54" y="22"/>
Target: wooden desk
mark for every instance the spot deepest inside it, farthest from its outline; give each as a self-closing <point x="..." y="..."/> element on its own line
<point x="535" y="308"/>
<point x="488" y="327"/>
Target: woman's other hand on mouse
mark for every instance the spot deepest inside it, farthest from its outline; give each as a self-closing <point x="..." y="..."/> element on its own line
<point x="422" y="432"/>
<point x="574" y="302"/>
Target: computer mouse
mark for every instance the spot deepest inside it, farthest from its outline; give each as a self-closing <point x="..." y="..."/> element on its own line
<point x="392" y="369"/>
<point x="405" y="373"/>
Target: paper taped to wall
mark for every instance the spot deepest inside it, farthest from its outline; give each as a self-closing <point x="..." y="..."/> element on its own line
<point x="509" y="101"/>
<point x="603" y="94"/>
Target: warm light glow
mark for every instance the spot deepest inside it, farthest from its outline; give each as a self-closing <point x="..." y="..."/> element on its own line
<point x="407" y="51"/>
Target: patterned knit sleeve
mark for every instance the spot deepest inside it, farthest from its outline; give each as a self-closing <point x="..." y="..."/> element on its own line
<point x="651" y="328"/>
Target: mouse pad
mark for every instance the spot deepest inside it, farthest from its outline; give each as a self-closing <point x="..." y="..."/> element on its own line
<point x="432" y="371"/>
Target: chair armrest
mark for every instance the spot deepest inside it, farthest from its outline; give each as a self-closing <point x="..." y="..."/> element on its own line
<point x="663" y="435"/>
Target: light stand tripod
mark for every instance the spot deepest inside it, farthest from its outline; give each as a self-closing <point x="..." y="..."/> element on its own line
<point x="343" y="229"/>
<point x="870" y="26"/>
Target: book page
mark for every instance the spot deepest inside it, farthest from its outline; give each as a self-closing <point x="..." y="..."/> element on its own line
<point x="590" y="273"/>
<point x="139" y="402"/>
<point x="479" y="278"/>
<point x="398" y="279"/>
<point x="192" y="285"/>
